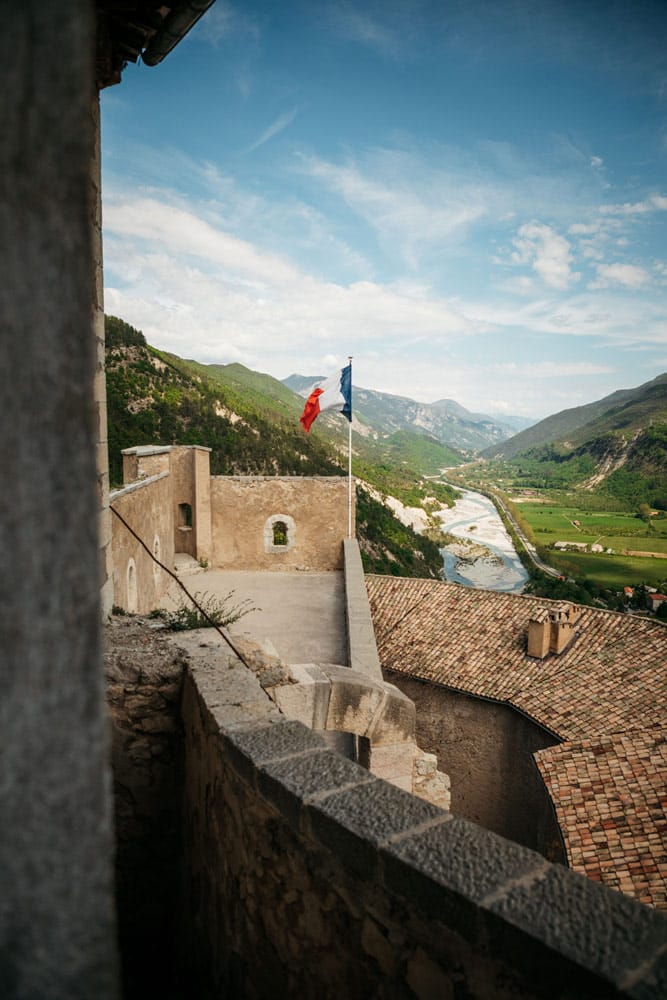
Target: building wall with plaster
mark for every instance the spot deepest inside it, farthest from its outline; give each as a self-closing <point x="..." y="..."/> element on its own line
<point x="139" y="583"/>
<point x="244" y="510"/>
<point x="236" y="522"/>
<point x="486" y="748"/>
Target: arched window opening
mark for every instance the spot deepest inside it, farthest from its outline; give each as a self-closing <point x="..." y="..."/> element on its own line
<point x="279" y="533"/>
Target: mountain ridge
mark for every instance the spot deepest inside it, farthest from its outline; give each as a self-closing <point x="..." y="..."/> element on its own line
<point x="572" y="422"/>
<point x="445" y="420"/>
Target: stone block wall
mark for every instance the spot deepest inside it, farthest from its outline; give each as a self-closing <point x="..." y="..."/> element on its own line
<point x="305" y="875"/>
<point x="245" y="508"/>
<point x="144" y="684"/>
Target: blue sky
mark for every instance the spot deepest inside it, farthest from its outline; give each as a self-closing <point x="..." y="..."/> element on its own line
<point x="469" y="197"/>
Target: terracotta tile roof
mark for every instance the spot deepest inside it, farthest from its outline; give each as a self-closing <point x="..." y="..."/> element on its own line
<point x="610" y="796"/>
<point x="475" y="641"/>
<point x="600" y="696"/>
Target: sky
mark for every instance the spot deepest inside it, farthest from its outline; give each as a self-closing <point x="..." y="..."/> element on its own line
<point x="468" y="197"/>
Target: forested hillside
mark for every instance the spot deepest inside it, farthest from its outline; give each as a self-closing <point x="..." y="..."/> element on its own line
<point x="250" y="422"/>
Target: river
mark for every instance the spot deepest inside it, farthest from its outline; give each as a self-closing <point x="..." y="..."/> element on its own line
<point x="475" y="519"/>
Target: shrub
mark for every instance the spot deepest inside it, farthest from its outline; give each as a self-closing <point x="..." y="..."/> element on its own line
<point x="216" y="611"/>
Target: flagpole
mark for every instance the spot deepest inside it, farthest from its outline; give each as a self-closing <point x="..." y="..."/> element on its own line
<point x="349" y="463"/>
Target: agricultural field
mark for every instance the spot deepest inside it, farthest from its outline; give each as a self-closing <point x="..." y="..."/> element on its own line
<point x="613" y="572"/>
<point x="622" y="532"/>
<point x="613" y="530"/>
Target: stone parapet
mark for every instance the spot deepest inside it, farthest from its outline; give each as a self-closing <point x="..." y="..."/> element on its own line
<point x="347" y="886"/>
<point x="362" y="649"/>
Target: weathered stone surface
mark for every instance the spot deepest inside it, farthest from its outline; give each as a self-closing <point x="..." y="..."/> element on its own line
<point x="57" y="927"/>
<point x="308" y="698"/>
<point x="314" y="509"/>
<point x="266" y="666"/>
<point x="355" y="822"/>
<point x="147" y="759"/>
<point x="395" y="763"/>
<point x="359" y="892"/>
<point x="460" y="857"/>
<point x="354" y="702"/>
<point x="598" y="929"/>
<point x="362" y="649"/>
<point x="293" y="783"/>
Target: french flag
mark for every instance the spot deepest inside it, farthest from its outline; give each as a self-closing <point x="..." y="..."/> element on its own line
<point x="333" y="394"/>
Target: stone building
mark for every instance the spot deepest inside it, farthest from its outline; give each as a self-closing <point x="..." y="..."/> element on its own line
<point x="172" y="503"/>
<point x="550" y="719"/>
<point x="341" y="883"/>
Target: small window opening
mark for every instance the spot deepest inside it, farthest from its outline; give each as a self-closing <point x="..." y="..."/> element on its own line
<point x="184" y="515"/>
<point x="279" y="533"/>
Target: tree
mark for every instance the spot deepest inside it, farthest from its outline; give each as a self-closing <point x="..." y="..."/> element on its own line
<point x="644" y="512"/>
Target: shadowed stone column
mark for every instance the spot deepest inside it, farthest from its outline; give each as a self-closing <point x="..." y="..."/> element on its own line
<point x="57" y="932"/>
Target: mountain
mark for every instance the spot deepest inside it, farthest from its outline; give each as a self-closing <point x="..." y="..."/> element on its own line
<point x="250" y="421"/>
<point x="564" y="425"/>
<point x="445" y="420"/>
<point x="415" y="454"/>
<point x="616" y="446"/>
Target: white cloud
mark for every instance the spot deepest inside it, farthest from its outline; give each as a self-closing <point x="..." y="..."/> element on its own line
<point x="626" y="275"/>
<point x="408" y="206"/>
<point x="611" y="317"/>
<point x="656" y="203"/>
<point x="597" y="161"/>
<point x="193" y="287"/>
<point x="584" y="228"/>
<point x="548" y="253"/>
<point x="279" y="125"/>
<point x="356" y="24"/>
<point x="222" y="20"/>
<point x="552" y="369"/>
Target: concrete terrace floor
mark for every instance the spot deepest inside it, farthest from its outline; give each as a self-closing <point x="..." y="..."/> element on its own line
<point x="301" y="614"/>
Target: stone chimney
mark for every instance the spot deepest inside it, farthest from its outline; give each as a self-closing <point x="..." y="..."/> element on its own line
<point x="551" y="630"/>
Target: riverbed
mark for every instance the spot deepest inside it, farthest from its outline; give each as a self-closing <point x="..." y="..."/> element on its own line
<point x="496" y="566"/>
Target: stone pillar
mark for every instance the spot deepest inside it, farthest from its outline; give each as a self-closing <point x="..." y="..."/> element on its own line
<point x="57" y="927"/>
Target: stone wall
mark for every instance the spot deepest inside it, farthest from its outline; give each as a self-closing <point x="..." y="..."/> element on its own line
<point x="191" y="483"/>
<point x="486" y="748"/>
<point x="139" y="583"/>
<point x="144" y="684"/>
<point x="245" y="508"/>
<point x="307" y="876"/>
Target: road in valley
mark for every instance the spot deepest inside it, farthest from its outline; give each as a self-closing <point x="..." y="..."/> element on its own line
<point x="528" y="547"/>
